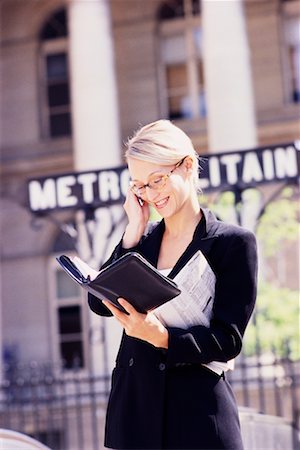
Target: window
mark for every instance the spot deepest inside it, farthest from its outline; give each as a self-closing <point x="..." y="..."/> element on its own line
<point x="180" y="60"/>
<point x="69" y="329"/>
<point x="290" y="19"/>
<point x="292" y="40"/>
<point x="173" y="9"/>
<point x="55" y="88"/>
<point x="69" y="318"/>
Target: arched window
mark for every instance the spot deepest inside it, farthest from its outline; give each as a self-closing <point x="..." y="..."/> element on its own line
<point x="173" y="9"/>
<point x="54" y="74"/>
<point x="56" y="27"/>
<point x="180" y="61"/>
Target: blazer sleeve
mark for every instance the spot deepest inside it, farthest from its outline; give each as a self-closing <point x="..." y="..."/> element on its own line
<point x="234" y="302"/>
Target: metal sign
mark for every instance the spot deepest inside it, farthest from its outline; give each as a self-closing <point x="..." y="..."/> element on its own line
<point x="249" y="168"/>
<point x="221" y="171"/>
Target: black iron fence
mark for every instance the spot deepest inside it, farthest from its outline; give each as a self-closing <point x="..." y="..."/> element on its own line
<point x="66" y="411"/>
<point x="269" y="385"/>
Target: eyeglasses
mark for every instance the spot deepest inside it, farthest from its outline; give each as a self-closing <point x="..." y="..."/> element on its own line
<point x="157" y="182"/>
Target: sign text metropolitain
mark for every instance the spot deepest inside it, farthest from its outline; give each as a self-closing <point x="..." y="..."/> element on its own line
<point x="221" y="171"/>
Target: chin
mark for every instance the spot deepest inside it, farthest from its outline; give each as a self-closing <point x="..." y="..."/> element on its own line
<point x="165" y="213"/>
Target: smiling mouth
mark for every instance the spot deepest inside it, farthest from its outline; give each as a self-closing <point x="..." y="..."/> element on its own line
<point x="162" y="203"/>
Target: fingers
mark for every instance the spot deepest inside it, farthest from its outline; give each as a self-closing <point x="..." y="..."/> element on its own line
<point x="127" y="306"/>
<point x="133" y="201"/>
<point x="110" y="306"/>
<point x="119" y="315"/>
<point x="141" y="326"/>
<point x="130" y="197"/>
<point x="138" y="216"/>
<point x="128" y="320"/>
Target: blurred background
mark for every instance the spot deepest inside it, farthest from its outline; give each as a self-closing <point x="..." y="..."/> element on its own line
<point x="77" y="78"/>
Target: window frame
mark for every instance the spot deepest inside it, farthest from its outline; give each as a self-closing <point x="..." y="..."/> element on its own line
<point x="180" y="26"/>
<point x="51" y="47"/>
<point x="54" y="304"/>
<point x="289" y="11"/>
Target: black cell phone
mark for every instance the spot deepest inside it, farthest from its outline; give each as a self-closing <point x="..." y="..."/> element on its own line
<point x="141" y="201"/>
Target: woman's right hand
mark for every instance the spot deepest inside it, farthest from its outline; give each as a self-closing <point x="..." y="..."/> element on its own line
<point x="138" y="217"/>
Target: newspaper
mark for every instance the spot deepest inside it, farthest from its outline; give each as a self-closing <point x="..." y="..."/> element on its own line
<point x="194" y="306"/>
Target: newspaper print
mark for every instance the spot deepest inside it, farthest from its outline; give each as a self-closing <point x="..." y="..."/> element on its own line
<point x="195" y="303"/>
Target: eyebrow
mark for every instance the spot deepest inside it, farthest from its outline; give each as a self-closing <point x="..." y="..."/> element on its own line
<point x="150" y="174"/>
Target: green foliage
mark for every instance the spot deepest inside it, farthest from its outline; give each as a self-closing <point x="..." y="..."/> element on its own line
<point x="222" y="205"/>
<point x="279" y="222"/>
<point x="277" y="321"/>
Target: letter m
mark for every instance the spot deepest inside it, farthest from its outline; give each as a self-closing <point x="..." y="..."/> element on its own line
<point x="42" y="197"/>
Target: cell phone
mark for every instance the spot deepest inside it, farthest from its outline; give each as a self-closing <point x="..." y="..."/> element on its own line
<point x="141" y="202"/>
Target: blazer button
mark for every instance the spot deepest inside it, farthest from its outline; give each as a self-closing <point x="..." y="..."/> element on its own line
<point x="162" y="366"/>
<point x="131" y="361"/>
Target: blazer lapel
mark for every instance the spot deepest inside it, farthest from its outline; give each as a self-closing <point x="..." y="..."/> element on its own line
<point x="203" y="240"/>
<point x="204" y="245"/>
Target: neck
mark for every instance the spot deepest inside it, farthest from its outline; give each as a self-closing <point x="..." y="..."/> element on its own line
<point x="185" y="221"/>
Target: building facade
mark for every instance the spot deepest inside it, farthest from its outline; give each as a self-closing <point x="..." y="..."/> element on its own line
<point x="77" y="78"/>
<point x="155" y="53"/>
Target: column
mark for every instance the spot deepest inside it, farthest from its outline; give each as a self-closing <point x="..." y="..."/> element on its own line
<point x="1" y="339"/>
<point x="96" y="137"/>
<point x="95" y="116"/>
<point x="228" y="82"/>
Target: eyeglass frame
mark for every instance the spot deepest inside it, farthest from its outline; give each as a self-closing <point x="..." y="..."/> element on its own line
<point x="165" y="177"/>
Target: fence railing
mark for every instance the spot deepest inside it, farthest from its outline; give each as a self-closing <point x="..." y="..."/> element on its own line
<point x="268" y="384"/>
<point x="64" y="411"/>
<point x="67" y="411"/>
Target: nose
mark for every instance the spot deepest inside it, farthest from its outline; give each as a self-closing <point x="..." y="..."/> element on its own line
<point x="151" y="194"/>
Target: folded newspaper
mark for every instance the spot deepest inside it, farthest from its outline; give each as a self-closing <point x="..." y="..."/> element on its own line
<point x="194" y="306"/>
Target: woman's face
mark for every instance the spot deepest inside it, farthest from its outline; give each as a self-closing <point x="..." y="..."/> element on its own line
<point x="169" y="199"/>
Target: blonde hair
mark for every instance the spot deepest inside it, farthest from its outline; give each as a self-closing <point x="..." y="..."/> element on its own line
<point x="162" y="143"/>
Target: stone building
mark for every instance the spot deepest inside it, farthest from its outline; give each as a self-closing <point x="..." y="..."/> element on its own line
<point x="77" y="78"/>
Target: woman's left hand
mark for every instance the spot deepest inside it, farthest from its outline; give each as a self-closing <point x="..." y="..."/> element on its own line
<point x="142" y="326"/>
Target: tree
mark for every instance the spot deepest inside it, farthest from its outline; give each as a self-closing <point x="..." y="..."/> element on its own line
<point x="277" y="321"/>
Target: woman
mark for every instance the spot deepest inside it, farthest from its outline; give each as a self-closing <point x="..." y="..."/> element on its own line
<point x="162" y="397"/>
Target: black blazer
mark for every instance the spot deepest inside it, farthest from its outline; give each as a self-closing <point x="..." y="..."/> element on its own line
<point x="144" y="406"/>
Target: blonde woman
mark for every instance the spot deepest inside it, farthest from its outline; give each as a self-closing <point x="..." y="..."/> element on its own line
<point x="162" y="396"/>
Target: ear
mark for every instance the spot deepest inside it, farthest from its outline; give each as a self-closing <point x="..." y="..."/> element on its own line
<point x="189" y="164"/>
